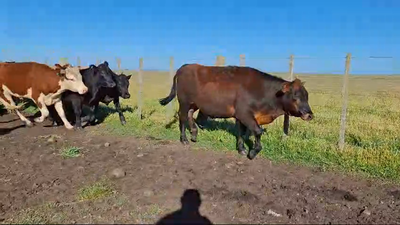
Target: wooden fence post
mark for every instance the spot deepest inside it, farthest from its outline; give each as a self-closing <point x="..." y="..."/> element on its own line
<point x="119" y="64"/>
<point x="291" y="65"/>
<point x="220" y="60"/>
<point x="344" y="104"/>
<point x="286" y="120"/>
<point x="140" y="82"/>
<point x="242" y="60"/>
<point x="78" y="61"/>
<point x="171" y="81"/>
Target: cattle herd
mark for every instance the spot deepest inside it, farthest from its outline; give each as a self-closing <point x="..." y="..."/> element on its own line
<point x="252" y="97"/>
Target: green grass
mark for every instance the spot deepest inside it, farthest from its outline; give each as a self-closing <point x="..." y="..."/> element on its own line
<point x="372" y="144"/>
<point x="41" y="214"/>
<point x="95" y="191"/>
<point x="146" y="214"/>
<point x="71" y="152"/>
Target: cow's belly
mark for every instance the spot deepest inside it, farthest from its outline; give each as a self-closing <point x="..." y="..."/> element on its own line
<point x="216" y="102"/>
<point x="8" y="93"/>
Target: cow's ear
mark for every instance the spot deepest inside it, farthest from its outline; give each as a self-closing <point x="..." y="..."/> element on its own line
<point x="298" y="83"/>
<point x="286" y="87"/>
<point x="58" y="66"/>
<point x="129" y="77"/>
<point x="106" y="63"/>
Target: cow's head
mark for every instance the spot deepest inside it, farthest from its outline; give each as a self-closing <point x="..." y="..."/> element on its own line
<point x="71" y="78"/>
<point x="294" y="98"/>
<point x="123" y="85"/>
<point x="106" y="75"/>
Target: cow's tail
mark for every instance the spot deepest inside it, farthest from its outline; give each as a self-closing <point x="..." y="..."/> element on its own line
<point x="172" y="94"/>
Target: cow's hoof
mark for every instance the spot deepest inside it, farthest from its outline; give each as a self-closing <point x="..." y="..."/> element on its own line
<point x="184" y="141"/>
<point x="38" y="120"/>
<point x="193" y="139"/>
<point x="252" y="154"/>
<point x="123" y="122"/>
<point x="242" y="152"/>
<point x="285" y="136"/>
<point x="69" y="127"/>
<point x="78" y="128"/>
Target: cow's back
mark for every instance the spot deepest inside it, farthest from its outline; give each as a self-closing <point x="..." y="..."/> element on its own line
<point x="216" y="81"/>
<point x="19" y="77"/>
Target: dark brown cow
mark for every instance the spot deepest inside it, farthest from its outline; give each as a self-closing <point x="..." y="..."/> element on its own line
<point x="41" y="83"/>
<point x="252" y="97"/>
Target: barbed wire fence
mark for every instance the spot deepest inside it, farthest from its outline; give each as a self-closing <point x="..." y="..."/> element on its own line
<point x="220" y="60"/>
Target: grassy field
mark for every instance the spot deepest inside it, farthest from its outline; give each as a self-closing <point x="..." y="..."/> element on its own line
<point x="372" y="144"/>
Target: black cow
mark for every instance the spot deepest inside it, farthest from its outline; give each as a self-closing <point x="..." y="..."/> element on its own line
<point x="95" y="78"/>
<point x="97" y="93"/>
<point x="250" y="96"/>
<point x="113" y="94"/>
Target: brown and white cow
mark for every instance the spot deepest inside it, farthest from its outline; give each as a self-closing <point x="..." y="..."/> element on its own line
<point x="41" y="83"/>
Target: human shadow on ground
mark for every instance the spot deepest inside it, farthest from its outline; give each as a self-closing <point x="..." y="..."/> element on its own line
<point x="189" y="212"/>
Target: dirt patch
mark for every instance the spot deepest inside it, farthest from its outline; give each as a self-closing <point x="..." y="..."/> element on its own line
<point x="39" y="184"/>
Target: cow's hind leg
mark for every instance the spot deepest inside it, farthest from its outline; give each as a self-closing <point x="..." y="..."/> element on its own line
<point x="239" y="138"/>
<point x="43" y="109"/>
<point x="249" y="121"/>
<point x="201" y="119"/>
<point x="192" y="124"/>
<point x="7" y="97"/>
<point x="53" y="116"/>
<point x="183" y="118"/>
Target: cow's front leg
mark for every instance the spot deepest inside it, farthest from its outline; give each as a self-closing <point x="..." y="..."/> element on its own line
<point x="248" y="120"/>
<point x="241" y="131"/>
<point x="118" y="108"/>
<point x="60" y="110"/>
<point x="92" y="114"/>
<point x="77" y="107"/>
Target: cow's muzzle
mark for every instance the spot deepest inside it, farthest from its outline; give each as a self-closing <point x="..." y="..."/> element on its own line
<point x="83" y="90"/>
<point x="126" y="96"/>
<point x="307" y="116"/>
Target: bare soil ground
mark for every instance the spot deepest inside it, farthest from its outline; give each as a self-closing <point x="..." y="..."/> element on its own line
<point x="38" y="185"/>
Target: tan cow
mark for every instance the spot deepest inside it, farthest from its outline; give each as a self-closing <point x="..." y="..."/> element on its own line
<point x="41" y="83"/>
